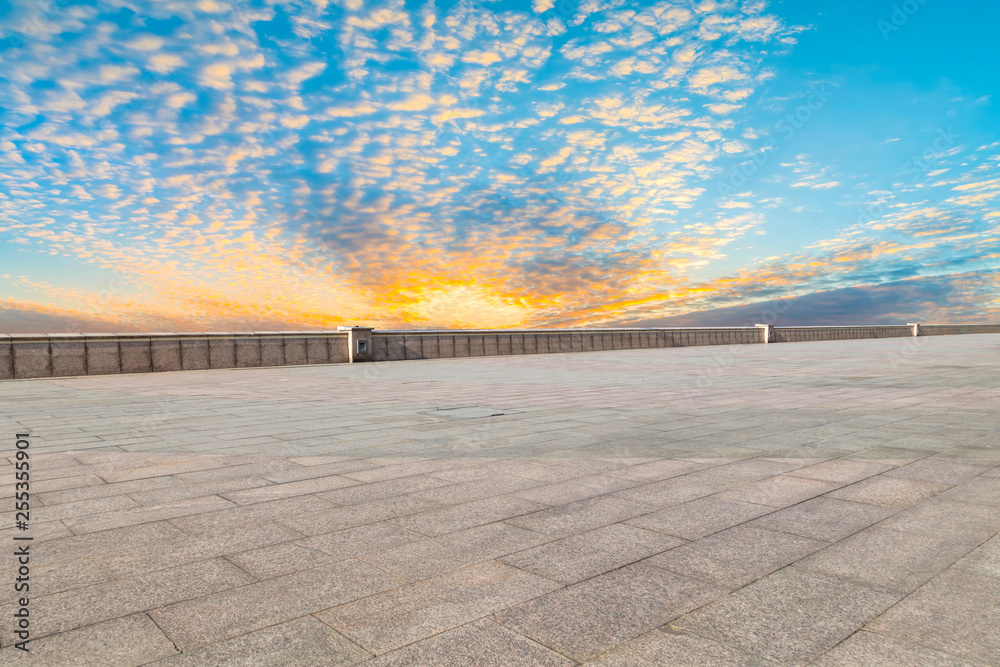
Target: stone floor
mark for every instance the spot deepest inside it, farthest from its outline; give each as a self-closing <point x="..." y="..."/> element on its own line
<point x="828" y="503"/>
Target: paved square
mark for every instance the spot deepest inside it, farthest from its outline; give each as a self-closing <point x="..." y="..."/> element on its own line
<point x="826" y="503"/>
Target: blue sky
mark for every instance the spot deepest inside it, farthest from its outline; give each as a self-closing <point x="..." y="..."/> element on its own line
<point x="297" y="165"/>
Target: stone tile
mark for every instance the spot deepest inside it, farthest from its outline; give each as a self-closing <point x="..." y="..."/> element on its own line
<point x="780" y="491"/>
<point x="395" y="618"/>
<point x="52" y="530"/>
<point x="51" y="487"/>
<point x="172" y="493"/>
<point x="362" y="493"/>
<point x="234" y="515"/>
<point x="483" y="643"/>
<point x="139" y="515"/>
<point x="129" y="538"/>
<point x="468" y="515"/>
<point x="675" y="490"/>
<point x="657" y="470"/>
<point x="279" y="559"/>
<point x="465" y="492"/>
<point x="970" y="523"/>
<point x="70" y="492"/>
<point x="736" y="556"/>
<point x="842" y="471"/>
<point x="939" y="471"/>
<point x="956" y="613"/>
<point x="352" y="542"/>
<point x="906" y="550"/>
<point x="433" y="556"/>
<point x="117" y="474"/>
<point x="750" y="470"/>
<point x="287" y="490"/>
<point x="158" y="556"/>
<point x="823" y="518"/>
<point x="309" y="472"/>
<point x="581" y="516"/>
<point x="868" y="648"/>
<point x="256" y="468"/>
<point x="574" y="489"/>
<point x="700" y="517"/>
<point x="889" y="491"/>
<point x="81" y="607"/>
<point x="82" y="508"/>
<point x="979" y="490"/>
<point x="238" y="611"/>
<point x="983" y="560"/>
<point x="132" y="640"/>
<point x="304" y="642"/>
<point x="667" y="646"/>
<point x="330" y="520"/>
<point x="587" y="555"/>
<point x="387" y="472"/>
<point x="791" y="617"/>
<point x="598" y="614"/>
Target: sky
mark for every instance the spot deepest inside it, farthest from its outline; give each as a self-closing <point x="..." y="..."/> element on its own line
<point x="189" y="165"/>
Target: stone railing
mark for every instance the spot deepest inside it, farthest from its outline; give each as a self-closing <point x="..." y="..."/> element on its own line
<point x="61" y="355"/>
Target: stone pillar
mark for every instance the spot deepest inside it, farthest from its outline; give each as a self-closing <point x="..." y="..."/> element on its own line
<point x="359" y="343"/>
<point x="915" y="327"/>
<point x="767" y="331"/>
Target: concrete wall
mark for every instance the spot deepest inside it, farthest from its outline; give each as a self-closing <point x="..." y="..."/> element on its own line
<point x="952" y="329"/>
<point x="802" y="334"/>
<point x="61" y="355"/>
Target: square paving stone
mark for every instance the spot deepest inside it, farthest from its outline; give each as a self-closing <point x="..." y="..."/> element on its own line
<point x="575" y="489"/>
<point x="657" y="470"/>
<point x="675" y="490"/>
<point x="339" y="518"/>
<point x="737" y="556"/>
<point x="343" y="544"/>
<point x="587" y="555"/>
<point x="700" y="517"/>
<point x="791" y="617"/>
<point x="889" y="491"/>
<point x="957" y="613"/>
<point x="984" y="559"/>
<point x="979" y="490"/>
<point x="823" y="518"/>
<point x="238" y="611"/>
<point x="667" y="646"/>
<point x="132" y="640"/>
<point x="940" y="471"/>
<point x="304" y="642"/>
<point x="279" y="559"/>
<point x="968" y="523"/>
<point x="581" y="516"/>
<point x="94" y="604"/>
<point x="780" y="491"/>
<point x="467" y="515"/>
<point x="874" y="650"/>
<point x="240" y="515"/>
<point x="843" y="471"/>
<point x="902" y="556"/>
<point x="437" y="555"/>
<point x="598" y="614"/>
<point x="482" y="643"/>
<point x="393" y="619"/>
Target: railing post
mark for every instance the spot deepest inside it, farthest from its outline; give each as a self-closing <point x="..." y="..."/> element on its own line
<point x="767" y="331"/>
<point x="915" y="327"/>
<point x="359" y="343"/>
